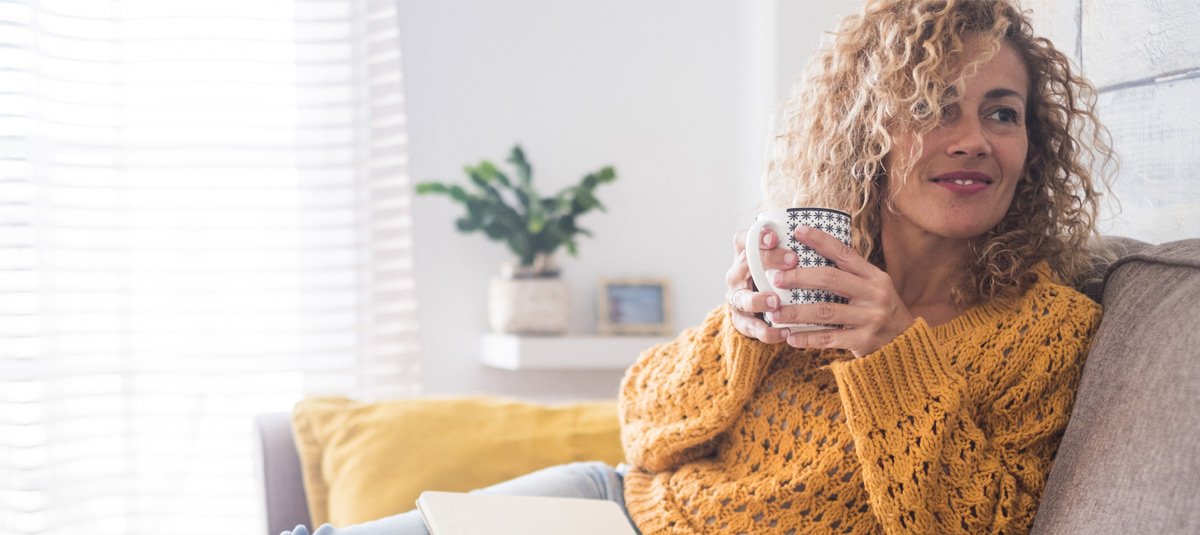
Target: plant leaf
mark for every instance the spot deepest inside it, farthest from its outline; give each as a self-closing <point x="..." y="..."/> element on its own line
<point x="495" y="230"/>
<point x="584" y="201"/>
<point x="477" y="176"/>
<point x="459" y="194"/>
<point x="511" y="211"/>
<point x="490" y="172"/>
<point x="426" y="188"/>
<point x="454" y="191"/>
<point x="536" y="223"/>
<point x="524" y="170"/>
<point x="466" y="224"/>
<point x="522" y="197"/>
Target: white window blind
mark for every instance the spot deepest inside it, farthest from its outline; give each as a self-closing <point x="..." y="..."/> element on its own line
<point x="204" y="215"/>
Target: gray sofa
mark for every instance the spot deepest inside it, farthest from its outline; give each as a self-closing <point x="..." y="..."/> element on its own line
<point x="1130" y="459"/>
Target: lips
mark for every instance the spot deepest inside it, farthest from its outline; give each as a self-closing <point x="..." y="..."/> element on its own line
<point x="963" y="177"/>
<point x="963" y="181"/>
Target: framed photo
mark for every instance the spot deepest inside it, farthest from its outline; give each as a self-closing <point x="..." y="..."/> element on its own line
<point x="634" y="306"/>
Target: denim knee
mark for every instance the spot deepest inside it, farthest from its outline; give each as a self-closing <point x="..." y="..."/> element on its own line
<point x="325" y="529"/>
<point x="607" y="480"/>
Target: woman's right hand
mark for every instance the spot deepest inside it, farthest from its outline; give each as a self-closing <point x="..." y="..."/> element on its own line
<point x="744" y="302"/>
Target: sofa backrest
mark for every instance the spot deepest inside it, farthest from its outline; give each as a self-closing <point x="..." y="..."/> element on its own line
<point x="1129" y="461"/>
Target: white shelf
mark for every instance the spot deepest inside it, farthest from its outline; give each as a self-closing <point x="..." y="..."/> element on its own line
<point x="512" y="352"/>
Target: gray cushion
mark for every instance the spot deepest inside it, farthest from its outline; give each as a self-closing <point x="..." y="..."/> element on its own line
<point x="1118" y="247"/>
<point x="281" y="483"/>
<point x="1130" y="457"/>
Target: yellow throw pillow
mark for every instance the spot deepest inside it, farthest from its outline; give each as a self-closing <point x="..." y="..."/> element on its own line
<point x="363" y="461"/>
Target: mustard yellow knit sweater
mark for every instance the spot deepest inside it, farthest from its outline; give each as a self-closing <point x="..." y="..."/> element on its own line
<point x="949" y="429"/>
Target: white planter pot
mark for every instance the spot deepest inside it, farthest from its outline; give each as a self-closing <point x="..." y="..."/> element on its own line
<point x="528" y="306"/>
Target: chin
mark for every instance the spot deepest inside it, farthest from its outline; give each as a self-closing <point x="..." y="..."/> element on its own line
<point x="969" y="228"/>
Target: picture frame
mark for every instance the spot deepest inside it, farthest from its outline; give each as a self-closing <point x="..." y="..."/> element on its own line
<point x="633" y="306"/>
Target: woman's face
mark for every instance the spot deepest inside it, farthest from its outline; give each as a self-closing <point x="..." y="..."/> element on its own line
<point x="963" y="180"/>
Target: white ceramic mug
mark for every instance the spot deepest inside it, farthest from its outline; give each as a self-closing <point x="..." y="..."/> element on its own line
<point x="783" y="223"/>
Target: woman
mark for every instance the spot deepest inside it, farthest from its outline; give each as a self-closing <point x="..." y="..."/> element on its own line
<point x="948" y="132"/>
<point x="952" y="136"/>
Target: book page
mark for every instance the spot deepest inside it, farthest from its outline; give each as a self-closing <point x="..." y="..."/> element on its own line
<point x="456" y="513"/>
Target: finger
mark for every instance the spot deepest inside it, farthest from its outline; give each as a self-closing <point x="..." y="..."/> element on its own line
<point x="823" y="339"/>
<point x="819" y="313"/>
<point x="754" y="302"/>
<point x="752" y="327"/>
<point x="778" y="258"/>
<point x="767" y="239"/>
<point x="832" y="279"/>
<point x="849" y="339"/>
<point x="738" y="275"/>
<point x="772" y="335"/>
<point x="830" y="247"/>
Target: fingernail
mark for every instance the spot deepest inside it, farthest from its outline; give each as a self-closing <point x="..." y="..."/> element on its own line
<point x="802" y="229"/>
<point x="766" y="239"/>
<point x="789" y="258"/>
<point x="773" y="276"/>
<point x="772" y="301"/>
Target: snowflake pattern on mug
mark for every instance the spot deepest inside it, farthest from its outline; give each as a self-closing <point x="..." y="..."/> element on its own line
<point x="832" y="222"/>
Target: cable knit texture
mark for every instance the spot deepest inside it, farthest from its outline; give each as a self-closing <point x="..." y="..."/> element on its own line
<point x="947" y="429"/>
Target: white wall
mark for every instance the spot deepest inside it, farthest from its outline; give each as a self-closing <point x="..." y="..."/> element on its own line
<point x="1144" y="57"/>
<point x="676" y="95"/>
<point x="779" y="37"/>
<point x="648" y="87"/>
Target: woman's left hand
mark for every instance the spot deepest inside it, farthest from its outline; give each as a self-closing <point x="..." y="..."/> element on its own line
<point x="874" y="316"/>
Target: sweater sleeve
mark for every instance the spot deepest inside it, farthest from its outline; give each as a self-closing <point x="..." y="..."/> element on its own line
<point x="936" y="461"/>
<point x="680" y="396"/>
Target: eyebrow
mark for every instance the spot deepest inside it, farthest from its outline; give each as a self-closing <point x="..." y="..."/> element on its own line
<point x="1003" y="92"/>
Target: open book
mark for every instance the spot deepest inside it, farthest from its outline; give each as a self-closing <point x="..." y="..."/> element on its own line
<point x="456" y="513"/>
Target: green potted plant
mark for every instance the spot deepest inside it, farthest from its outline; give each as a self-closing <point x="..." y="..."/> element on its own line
<point x="529" y="296"/>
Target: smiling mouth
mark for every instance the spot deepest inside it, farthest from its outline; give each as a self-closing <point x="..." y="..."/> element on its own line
<point x="963" y="178"/>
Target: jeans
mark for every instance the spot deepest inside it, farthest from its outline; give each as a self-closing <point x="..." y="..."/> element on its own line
<point x="592" y="480"/>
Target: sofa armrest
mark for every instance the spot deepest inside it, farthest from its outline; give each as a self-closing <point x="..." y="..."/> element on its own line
<point x="279" y="473"/>
<point x="1129" y="460"/>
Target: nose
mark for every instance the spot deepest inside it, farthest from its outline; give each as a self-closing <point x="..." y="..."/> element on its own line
<point x="967" y="138"/>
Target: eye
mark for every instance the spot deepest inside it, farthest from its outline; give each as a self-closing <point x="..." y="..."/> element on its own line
<point x="949" y="113"/>
<point x="1005" y="115"/>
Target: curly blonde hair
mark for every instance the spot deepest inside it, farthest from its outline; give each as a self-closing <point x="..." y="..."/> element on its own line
<point x="894" y="68"/>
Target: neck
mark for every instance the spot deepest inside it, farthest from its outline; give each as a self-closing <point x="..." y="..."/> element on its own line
<point x="923" y="267"/>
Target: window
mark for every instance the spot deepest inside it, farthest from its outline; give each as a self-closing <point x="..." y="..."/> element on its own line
<point x="204" y="215"/>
